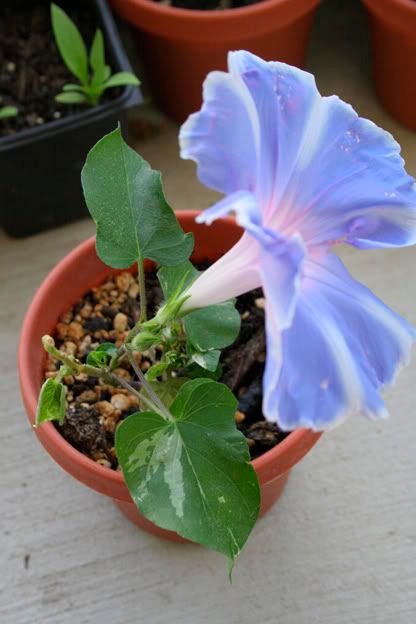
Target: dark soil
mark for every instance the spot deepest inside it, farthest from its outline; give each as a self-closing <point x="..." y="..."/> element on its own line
<point x="32" y="72"/>
<point x="105" y="314"/>
<point x="208" y="5"/>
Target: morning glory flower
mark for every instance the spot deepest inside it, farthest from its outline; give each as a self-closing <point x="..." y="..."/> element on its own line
<point x="302" y="173"/>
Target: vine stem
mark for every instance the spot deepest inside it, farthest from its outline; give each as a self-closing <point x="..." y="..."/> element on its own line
<point x="147" y="387"/>
<point x="125" y="384"/>
<point x="143" y="313"/>
<point x="142" y="290"/>
<point x="78" y="368"/>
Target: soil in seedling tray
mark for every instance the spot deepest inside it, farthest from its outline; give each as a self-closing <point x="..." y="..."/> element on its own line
<point x="106" y="314"/>
<point x="31" y="69"/>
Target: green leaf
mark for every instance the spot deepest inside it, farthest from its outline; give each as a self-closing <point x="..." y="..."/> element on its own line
<point x="102" y="354"/>
<point x="156" y="370"/>
<point x="71" y="97"/>
<point x="108" y="347"/>
<point x="51" y="403"/>
<point x="170" y="359"/>
<point x="70" y="43"/>
<point x="98" y="358"/>
<point x="125" y="198"/>
<point x="207" y="359"/>
<point x="166" y="390"/>
<point x="192" y="474"/>
<point x="213" y="327"/>
<point x="72" y="87"/>
<point x="121" y="79"/>
<point x="107" y="72"/>
<point x="177" y="278"/>
<point x="194" y="371"/>
<point x="97" y="59"/>
<point x="8" y="111"/>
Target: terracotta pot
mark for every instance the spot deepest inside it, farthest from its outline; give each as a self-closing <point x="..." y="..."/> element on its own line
<point x="78" y="272"/>
<point x="180" y="46"/>
<point x="393" y="38"/>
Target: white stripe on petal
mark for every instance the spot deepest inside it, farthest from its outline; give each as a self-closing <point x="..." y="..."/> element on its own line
<point x="233" y="274"/>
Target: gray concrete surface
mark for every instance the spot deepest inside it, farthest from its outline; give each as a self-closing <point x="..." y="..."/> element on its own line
<point x="339" y="548"/>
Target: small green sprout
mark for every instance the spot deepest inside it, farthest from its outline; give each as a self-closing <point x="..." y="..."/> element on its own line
<point x="7" y="111"/>
<point x="90" y="69"/>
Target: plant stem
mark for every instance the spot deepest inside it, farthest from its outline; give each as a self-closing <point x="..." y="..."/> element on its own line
<point x="122" y="382"/>
<point x="142" y="287"/>
<point x="78" y="368"/>
<point x="62" y="372"/>
<point x="69" y="360"/>
<point x="147" y="387"/>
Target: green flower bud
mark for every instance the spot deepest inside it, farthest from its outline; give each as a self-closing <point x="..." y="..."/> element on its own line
<point x="145" y="339"/>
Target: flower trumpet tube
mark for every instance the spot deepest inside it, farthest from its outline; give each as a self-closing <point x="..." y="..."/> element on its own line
<point x="302" y="173"/>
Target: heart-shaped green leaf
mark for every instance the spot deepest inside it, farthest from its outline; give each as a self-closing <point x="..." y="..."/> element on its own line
<point x="125" y="199"/>
<point x="194" y="371"/>
<point x="51" y="403"/>
<point x="192" y="474"/>
<point x="207" y="359"/>
<point x="214" y="327"/>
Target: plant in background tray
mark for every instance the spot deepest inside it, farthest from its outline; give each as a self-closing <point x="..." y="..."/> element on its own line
<point x="7" y="111"/>
<point x="90" y="69"/>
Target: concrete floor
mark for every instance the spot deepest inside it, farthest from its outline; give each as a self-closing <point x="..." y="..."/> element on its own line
<point x="339" y="548"/>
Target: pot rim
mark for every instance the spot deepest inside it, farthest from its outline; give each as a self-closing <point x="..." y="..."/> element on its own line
<point x="191" y="24"/>
<point x="216" y="14"/>
<point x="406" y="4"/>
<point x="295" y="444"/>
<point x="399" y="13"/>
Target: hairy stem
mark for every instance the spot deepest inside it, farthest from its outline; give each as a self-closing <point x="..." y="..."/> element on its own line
<point x="142" y="293"/>
<point x="77" y="367"/>
<point x="69" y="360"/>
<point x="125" y="384"/>
<point x="147" y="387"/>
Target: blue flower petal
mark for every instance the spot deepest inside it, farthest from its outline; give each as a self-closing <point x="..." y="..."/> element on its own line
<point x="303" y="172"/>
<point x="284" y="97"/>
<point x="351" y="183"/>
<point x="223" y="137"/>
<point x="343" y="347"/>
<point x="281" y="263"/>
<point x="243" y="203"/>
<point x="250" y="127"/>
<point x="313" y="164"/>
<point x="339" y="176"/>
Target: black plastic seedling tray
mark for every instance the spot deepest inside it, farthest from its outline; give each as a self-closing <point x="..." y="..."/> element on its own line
<point x="40" y="168"/>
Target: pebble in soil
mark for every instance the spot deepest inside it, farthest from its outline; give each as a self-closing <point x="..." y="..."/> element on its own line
<point x="106" y="314"/>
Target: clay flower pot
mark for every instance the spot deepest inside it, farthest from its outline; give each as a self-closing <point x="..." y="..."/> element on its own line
<point x="393" y="38"/>
<point x="180" y="46"/>
<point x="68" y="281"/>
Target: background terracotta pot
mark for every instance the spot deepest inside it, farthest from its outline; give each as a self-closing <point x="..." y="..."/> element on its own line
<point x="64" y="286"/>
<point x="180" y="46"/>
<point x="393" y="37"/>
